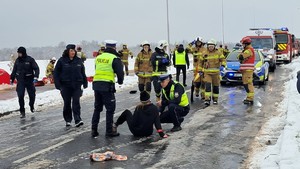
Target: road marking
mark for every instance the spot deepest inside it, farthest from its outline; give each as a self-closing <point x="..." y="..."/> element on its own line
<point x="43" y="151"/>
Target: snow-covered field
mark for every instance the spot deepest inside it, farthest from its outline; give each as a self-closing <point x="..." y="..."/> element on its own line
<point x="53" y="97"/>
<point x="285" y="153"/>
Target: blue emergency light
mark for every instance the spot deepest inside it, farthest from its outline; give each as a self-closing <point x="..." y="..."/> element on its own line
<point x="284" y="29"/>
<point x="231" y="74"/>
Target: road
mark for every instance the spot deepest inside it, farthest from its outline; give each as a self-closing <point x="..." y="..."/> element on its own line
<point x="218" y="136"/>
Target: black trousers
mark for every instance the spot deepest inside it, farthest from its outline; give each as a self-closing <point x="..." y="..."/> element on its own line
<point x="178" y="70"/>
<point x="108" y="100"/>
<point x="71" y="96"/>
<point x="157" y="86"/>
<point x="29" y="85"/>
<point x="175" y="114"/>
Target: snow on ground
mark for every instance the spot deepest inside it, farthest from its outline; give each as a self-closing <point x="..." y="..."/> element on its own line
<point x="285" y="153"/>
<point x="53" y="97"/>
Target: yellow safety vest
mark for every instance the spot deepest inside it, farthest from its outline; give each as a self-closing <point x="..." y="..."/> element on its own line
<point x="180" y="58"/>
<point x="184" y="98"/>
<point x="104" y="71"/>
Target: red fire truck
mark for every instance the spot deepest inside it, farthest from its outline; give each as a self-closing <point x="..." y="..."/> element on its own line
<point x="284" y="45"/>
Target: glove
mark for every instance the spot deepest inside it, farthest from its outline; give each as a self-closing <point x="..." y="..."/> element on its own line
<point x="165" y="61"/>
<point x="162" y="134"/>
<point x="241" y="58"/>
<point x="222" y="68"/>
<point x="35" y="80"/>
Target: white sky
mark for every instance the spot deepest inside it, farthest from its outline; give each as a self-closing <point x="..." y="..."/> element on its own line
<point x="48" y="22"/>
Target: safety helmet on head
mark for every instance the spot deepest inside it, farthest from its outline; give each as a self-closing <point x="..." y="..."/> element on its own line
<point x="145" y="43"/>
<point x="199" y="38"/>
<point x="162" y="44"/>
<point x="246" y="40"/>
<point x="212" y="42"/>
<point x="124" y="44"/>
<point x="53" y="59"/>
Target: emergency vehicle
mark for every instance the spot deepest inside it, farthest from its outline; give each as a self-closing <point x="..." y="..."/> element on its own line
<point x="263" y="39"/>
<point x="284" y="45"/>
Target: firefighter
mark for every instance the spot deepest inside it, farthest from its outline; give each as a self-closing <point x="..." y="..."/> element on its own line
<point x="159" y="61"/>
<point x="181" y="62"/>
<point x="81" y="54"/>
<point x="143" y="68"/>
<point x="26" y="71"/>
<point x="221" y="49"/>
<point x="107" y="65"/>
<point x="125" y="52"/>
<point x="198" y="50"/>
<point x="69" y="77"/>
<point x="101" y="50"/>
<point x="50" y="69"/>
<point x="212" y="62"/>
<point x="247" y="58"/>
<point x="175" y="99"/>
<point x="226" y="51"/>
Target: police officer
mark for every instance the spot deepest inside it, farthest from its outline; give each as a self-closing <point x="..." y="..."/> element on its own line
<point x="175" y="99"/>
<point x="211" y="63"/>
<point x="143" y="68"/>
<point x="26" y="71"/>
<point x="160" y="61"/>
<point x="247" y="58"/>
<point x="107" y="65"/>
<point x="198" y="51"/>
<point x="50" y="69"/>
<point x="181" y="62"/>
<point x="125" y="52"/>
<point x="69" y="76"/>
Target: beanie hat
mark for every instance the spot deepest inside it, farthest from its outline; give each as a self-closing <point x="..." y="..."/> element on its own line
<point x="144" y="96"/>
<point x="22" y="50"/>
<point x="70" y="46"/>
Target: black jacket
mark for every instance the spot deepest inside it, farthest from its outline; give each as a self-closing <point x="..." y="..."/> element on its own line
<point x="181" y="50"/>
<point x="298" y="81"/>
<point x="157" y="61"/>
<point x="25" y="69"/>
<point x="117" y="66"/>
<point x="69" y="73"/>
<point x="143" y="120"/>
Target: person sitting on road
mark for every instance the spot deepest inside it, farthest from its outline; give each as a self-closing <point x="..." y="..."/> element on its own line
<point x="141" y="122"/>
<point x="175" y="98"/>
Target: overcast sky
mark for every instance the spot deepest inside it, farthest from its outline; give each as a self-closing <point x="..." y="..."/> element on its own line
<point x="35" y="23"/>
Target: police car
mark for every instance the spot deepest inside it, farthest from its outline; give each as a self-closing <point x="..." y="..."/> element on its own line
<point x="231" y="73"/>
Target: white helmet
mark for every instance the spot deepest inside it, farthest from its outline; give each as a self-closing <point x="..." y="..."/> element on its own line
<point x="199" y="38"/>
<point x="54" y="59"/>
<point x="212" y="42"/>
<point x="145" y="43"/>
<point x="162" y="44"/>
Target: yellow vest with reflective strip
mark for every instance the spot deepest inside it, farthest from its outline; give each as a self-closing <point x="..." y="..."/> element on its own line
<point x="104" y="71"/>
<point x="180" y="58"/>
<point x="184" y="101"/>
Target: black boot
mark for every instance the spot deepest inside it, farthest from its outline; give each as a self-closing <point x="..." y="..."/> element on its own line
<point x="250" y="102"/>
<point x="22" y="115"/>
<point x="176" y="128"/>
<point x="95" y="133"/>
<point x="207" y="102"/>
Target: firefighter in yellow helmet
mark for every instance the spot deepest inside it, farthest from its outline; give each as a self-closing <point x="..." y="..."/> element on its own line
<point x="125" y="52"/>
<point x="50" y="69"/>
<point x="197" y="52"/>
<point x="212" y="62"/>
<point x="143" y="68"/>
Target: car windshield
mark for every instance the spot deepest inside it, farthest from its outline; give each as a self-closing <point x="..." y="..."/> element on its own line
<point x="281" y="38"/>
<point x="233" y="56"/>
<point x="262" y="43"/>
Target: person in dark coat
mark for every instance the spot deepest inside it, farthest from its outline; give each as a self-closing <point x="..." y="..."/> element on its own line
<point x="298" y="81"/>
<point x="69" y="76"/>
<point x="107" y="65"/>
<point x="26" y="71"/>
<point x="181" y="62"/>
<point x="141" y="122"/>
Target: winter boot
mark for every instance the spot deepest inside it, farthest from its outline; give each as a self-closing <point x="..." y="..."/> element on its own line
<point x="22" y="115"/>
<point x="32" y="109"/>
<point x="176" y="128"/>
<point x="94" y="133"/>
<point x="250" y="102"/>
<point x="207" y="102"/>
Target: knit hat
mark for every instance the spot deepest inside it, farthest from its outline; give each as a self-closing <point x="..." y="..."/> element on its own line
<point x="22" y="50"/>
<point x="70" y="46"/>
<point x="144" y="96"/>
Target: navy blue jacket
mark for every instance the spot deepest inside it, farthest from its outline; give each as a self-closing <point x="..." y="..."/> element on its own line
<point x="69" y="73"/>
<point x="25" y="69"/>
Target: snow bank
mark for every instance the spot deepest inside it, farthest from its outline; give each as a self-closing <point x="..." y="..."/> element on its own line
<point x="285" y="154"/>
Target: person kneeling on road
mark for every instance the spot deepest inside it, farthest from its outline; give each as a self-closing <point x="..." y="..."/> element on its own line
<point x="141" y="122"/>
<point x="175" y="98"/>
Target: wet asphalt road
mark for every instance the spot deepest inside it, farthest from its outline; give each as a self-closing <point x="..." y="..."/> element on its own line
<point x="214" y="137"/>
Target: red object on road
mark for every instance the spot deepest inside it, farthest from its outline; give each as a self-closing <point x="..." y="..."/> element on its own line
<point x="4" y="77"/>
<point x="39" y="83"/>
